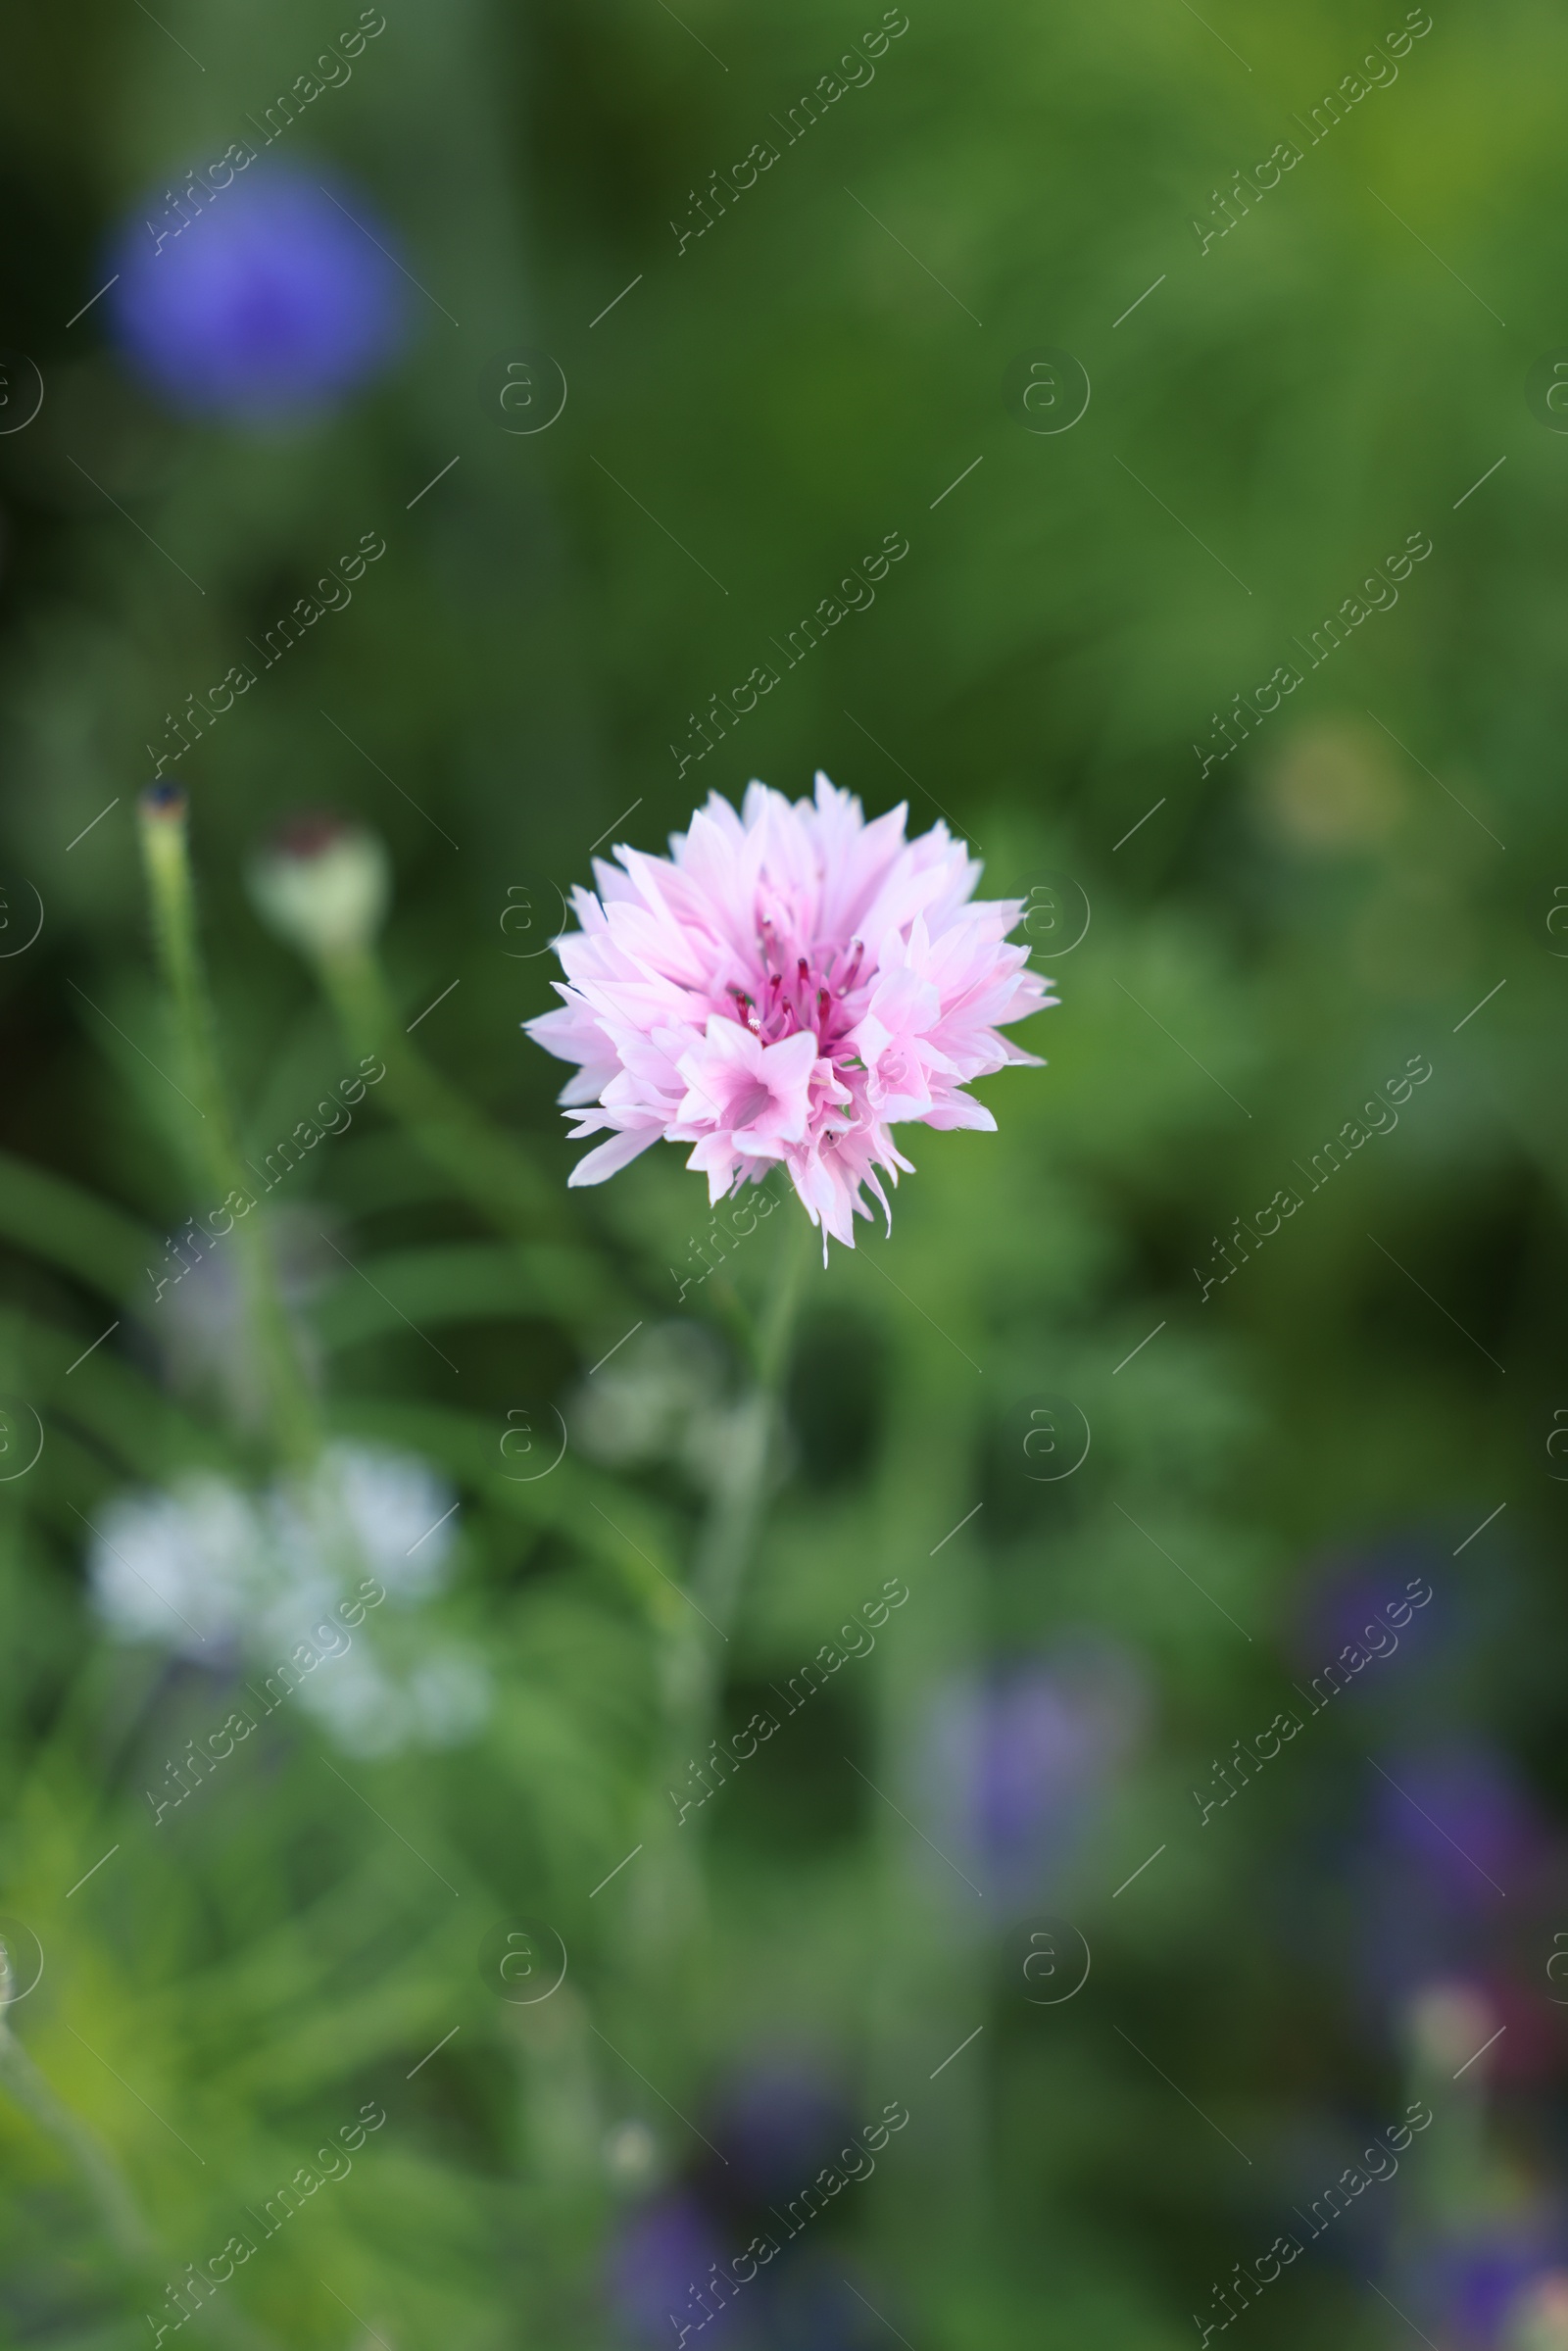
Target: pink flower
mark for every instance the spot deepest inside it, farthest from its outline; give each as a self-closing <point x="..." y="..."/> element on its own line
<point x="787" y="985"/>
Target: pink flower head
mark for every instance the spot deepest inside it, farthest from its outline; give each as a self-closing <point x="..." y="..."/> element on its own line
<point x="786" y="985"/>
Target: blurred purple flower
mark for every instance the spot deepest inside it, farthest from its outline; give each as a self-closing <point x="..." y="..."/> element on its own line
<point x="1345" y="1604"/>
<point x="1481" y="2285"/>
<point x="1481" y="2291"/>
<point x="659" y="2263"/>
<point x="269" y="304"/>
<point x="779" y="2119"/>
<point x="1454" y="1879"/>
<point x="1015" y="1761"/>
<point x="1459" y="1817"/>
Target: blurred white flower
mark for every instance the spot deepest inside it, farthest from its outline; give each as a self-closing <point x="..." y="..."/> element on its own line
<point x="204" y="1568"/>
<point x="372" y="1710"/>
<point x="632" y="2154"/>
<point x="371" y="1509"/>
<point x="638" y="1410"/>
<point x="358" y="1703"/>
<point x="668" y="1398"/>
<point x="183" y="1568"/>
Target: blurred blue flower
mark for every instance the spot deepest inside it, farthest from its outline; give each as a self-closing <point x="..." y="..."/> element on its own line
<point x="1493" y="2288"/>
<point x="659" y="2260"/>
<point x="1454" y="1877"/>
<point x="1459" y="1819"/>
<point x="779" y="2119"/>
<point x="1016" y="1760"/>
<point x="270" y="302"/>
<point x="1481" y="2284"/>
<point x="1345" y="1606"/>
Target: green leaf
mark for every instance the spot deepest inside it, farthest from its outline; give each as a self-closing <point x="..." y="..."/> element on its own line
<point x="70" y="1227"/>
<point x="471" y="1282"/>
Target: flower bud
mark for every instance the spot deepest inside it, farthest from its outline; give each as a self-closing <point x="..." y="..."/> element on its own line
<point x="630" y="2154"/>
<point x="163" y="803"/>
<point x="322" y="885"/>
<point x="1447" y="2023"/>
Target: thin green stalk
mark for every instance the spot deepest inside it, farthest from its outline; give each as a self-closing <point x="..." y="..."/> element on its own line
<point x="117" y="2206"/>
<point x="731" y="1532"/>
<point x="649" y="1963"/>
<point x="562" y="2198"/>
<point x="691" y="1664"/>
<point x="215" y="1144"/>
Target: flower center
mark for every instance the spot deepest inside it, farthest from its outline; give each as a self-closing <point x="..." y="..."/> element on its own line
<point x="800" y="993"/>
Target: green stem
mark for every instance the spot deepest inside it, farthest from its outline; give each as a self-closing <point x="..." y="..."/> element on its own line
<point x="730" y="1534"/>
<point x="129" y="2233"/>
<point x="215" y="1144"/>
<point x="690" y="1665"/>
<point x="563" y="2192"/>
<point x="484" y="1166"/>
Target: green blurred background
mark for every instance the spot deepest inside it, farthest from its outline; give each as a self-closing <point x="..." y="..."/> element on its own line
<point x="1272" y="936"/>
